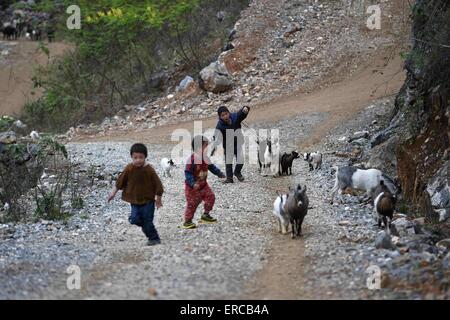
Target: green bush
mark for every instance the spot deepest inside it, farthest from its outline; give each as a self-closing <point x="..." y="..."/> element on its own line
<point x="6" y="122"/>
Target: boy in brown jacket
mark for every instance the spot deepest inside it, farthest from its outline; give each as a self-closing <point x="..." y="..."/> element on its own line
<point x="142" y="188"/>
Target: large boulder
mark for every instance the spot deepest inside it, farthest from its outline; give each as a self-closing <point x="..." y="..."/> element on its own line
<point x="216" y="78"/>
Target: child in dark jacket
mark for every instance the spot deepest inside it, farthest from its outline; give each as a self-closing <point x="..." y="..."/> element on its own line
<point x="143" y="189"/>
<point x="196" y="186"/>
<point x="231" y="122"/>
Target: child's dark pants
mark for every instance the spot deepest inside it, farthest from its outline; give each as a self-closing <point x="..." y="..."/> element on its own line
<point x="142" y="216"/>
<point x="238" y="153"/>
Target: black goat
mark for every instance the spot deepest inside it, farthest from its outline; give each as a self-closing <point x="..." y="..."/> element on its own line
<point x="286" y="162"/>
<point x="296" y="208"/>
<point x="9" y="33"/>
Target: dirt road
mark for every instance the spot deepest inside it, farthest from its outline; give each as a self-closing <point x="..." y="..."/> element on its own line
<point x="382" y="77"/>
<point x="16" y="71"/>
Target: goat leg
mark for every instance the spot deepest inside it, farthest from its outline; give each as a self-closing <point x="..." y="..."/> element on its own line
<point x="300" y="226"/>
<point x="293" y="228"/>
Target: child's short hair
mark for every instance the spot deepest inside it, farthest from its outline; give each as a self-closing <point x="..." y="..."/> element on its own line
<point x="138" y="148"/>
<point x="198" y="141"/>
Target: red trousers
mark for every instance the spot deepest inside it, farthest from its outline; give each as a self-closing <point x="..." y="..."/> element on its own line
<point x="195" y="197"/>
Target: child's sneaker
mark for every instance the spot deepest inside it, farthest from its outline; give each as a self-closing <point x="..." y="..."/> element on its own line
<point x="206" y="218"/>
<point x="189" y="225"/>
<point x="153" y="242"/>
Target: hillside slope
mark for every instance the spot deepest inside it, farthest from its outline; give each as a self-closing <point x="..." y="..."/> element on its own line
<point x="17" y="62"/>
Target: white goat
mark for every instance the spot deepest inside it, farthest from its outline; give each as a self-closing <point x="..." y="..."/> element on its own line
<point x="167" y="165"/>
<point x="314" y="158"/>
<point x="271" y="162"/>
<point x="35" y="135"/>
<point x="354" y="178"/>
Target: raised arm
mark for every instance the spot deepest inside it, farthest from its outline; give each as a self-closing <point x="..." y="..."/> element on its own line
<point x="243" y="113"/>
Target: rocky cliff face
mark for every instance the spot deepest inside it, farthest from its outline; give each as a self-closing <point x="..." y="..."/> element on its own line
<point x="417" y="136"/>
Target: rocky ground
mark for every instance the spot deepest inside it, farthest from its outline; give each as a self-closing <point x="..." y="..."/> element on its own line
<point x="5" y="50"/>
<point x="281" y="47"/>
<point x="342" y="241"/>
<point x="209" y="262"/>
<point x="217" y="261"/>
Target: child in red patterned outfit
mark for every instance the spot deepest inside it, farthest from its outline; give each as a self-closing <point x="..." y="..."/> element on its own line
<point x="196" y="186"/>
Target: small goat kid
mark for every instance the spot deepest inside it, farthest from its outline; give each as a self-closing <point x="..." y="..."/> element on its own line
<point x="314" y="158"/>
<point x="286" y="162"/>
<point x="383" y="205"/>
<point x="167" y="165"/>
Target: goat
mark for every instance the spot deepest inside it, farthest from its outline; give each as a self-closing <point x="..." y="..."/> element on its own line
<point x="167" y="165"/>
<point x="261" y="146"/>
<point x="20" y="26"/>
<point x="36" y="34"/>
<point x="313" y="158"/>
<point x="28" y="31"/>
<point x="268" y="154"/>
<point x="280" y="212"/>
<point x="270" y="159"/>
<point x="296" y="208"/>
<point x="50" y="34"/>
<point x="354" y="178"/>
<point x="274" y="161"/>
<point x="9" y="32"/>
<point x="34" y="135"/>
<point x="286" y="162"/>
<point x="383" y="205"/>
